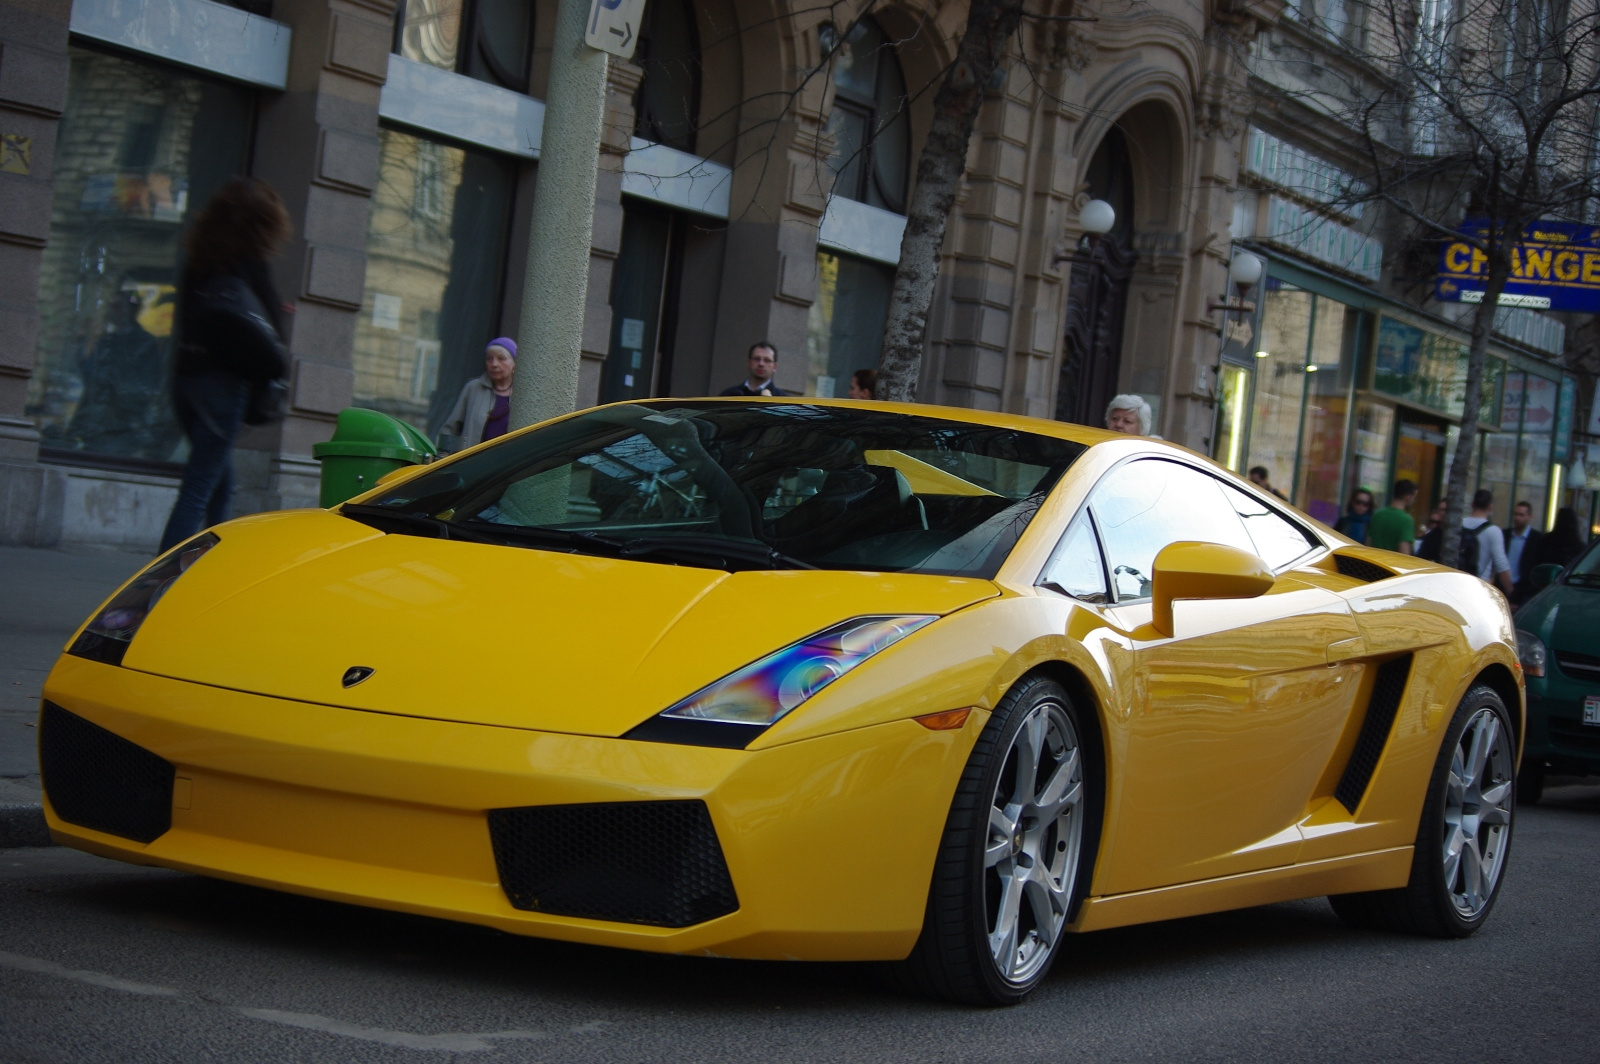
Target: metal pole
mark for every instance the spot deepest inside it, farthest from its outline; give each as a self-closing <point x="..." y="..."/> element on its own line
<point x="554" y="287"/>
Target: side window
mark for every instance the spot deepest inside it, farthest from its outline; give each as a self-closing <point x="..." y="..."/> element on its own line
<point x="1076" y="567"/>
<point x="1145" y="505"/>
<point x="1278" y="541"/>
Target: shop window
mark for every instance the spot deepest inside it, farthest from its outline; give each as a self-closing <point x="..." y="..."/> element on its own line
<point x="872" y="138"/>
<point x="436" y="248"/>
<point x="667" y="105"/>
<point x="1329" y="371"/>
<point x="1371" y="432"/>
<point x="844" y="332"/>
<point x="489" y="40"/>
<point x="141" y="147"/>
<point x="1280" y="385"/>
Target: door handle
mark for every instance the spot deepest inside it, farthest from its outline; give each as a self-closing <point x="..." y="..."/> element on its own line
<point x="1346" y="650"/>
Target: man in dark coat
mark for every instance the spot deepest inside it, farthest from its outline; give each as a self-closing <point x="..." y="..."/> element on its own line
<point x="762" y="363"/>
<point x="1522" y="547"/>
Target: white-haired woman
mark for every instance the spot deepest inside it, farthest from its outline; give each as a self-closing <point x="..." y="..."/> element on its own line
<point x="1128" y="413"/>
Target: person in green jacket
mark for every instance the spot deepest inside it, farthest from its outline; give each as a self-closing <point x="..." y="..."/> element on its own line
<point x="1393" y="528"/>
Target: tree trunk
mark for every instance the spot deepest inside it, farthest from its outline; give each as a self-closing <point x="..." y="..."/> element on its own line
<point x="990" y="25"/>
<point x="1455" y="494"/>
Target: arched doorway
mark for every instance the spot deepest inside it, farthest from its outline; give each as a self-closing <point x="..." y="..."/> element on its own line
<point x="1097" y="294"/>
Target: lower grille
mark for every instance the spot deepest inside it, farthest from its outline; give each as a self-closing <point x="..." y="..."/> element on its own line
<point x="1578" y="666"/>
<point x="96" y="779"/>
<point x="1387" y="690"/>
<point x="655" y="863"/>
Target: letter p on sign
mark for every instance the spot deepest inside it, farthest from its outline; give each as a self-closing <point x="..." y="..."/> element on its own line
<point x="614" y="26"/>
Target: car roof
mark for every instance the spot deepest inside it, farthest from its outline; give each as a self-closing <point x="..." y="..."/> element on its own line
<point x="1039" y="426"/>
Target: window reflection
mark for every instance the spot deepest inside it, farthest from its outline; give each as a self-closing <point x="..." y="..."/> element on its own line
<point x="139" y="148"/>
<point x="844" y="331"/>
<point x="488" y="40"/>
<point x="435" y="259"/>
<point x="667" y="105"/>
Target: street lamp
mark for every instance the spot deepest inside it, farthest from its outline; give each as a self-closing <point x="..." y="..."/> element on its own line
<point x="1096" y="219"/>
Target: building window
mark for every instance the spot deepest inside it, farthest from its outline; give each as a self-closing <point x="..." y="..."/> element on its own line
<point x="667" y="105"/>
<point x="489" y="40"/>
<point x="845" y="330"/>
<point x="436" y="248"/>
<point x="872" y="137"/>
<point x="141" y="147"/>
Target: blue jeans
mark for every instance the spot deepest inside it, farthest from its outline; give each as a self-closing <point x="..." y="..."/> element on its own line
<point x="210" y="407"/>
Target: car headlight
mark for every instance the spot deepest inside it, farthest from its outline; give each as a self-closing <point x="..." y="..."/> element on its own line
<point x="1530" y="648"/>
<point x="107" y="637"/>
<point x="766" y="690"/>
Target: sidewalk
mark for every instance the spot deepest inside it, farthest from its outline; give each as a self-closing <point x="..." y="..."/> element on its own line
<point x="44" y="596"/>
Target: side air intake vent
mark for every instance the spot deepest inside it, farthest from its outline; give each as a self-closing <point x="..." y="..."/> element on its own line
<point x="99" y="780"/>
<point x="1387" y="690"/>
<point x="1360" y="569"/>
<point x="634" y="862"/>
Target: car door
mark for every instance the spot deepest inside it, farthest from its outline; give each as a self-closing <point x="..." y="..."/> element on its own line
<point x="1235" y="715"/>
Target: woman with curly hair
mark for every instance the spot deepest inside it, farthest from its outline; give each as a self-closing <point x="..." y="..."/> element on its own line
<point x="231" y="240"/>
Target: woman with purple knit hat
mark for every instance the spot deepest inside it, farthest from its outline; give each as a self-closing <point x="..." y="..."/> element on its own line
<point x="484" y="409"/>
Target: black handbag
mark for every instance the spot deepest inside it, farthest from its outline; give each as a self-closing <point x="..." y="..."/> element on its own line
<point x="227" y="320"/>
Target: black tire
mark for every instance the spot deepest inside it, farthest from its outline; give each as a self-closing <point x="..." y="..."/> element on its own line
<point x="953" y="958"/>
<point x="1430" y="904"/>
<point x="1530" y="783"/>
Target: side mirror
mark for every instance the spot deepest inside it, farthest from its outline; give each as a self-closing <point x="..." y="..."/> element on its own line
<point x="1190" y="570"/>
<point x="1543" y="575"/>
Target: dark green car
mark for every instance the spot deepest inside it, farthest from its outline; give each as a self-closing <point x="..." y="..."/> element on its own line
<point x="1558" y="635"/>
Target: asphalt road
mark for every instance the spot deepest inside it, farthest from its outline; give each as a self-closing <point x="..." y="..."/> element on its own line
<point x="101" y="961"/>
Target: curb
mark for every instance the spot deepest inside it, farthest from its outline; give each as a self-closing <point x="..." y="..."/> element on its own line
<point x="23" y="825"/>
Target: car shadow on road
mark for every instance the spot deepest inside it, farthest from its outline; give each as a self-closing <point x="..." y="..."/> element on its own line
<point x="260" y="924"/>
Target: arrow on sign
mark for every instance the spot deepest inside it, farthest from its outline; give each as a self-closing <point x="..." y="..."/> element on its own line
<point x="626" y="36"/>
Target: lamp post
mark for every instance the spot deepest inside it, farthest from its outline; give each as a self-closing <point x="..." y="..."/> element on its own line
<point x="1096" y="219"/>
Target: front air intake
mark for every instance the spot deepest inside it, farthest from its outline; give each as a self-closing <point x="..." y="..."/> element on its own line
<point x="1388" y="688"/>
<point x="653" y="863"/>
<point x="97" y="779"/>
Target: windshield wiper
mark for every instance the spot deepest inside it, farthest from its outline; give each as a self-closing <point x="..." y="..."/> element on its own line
<point x="713" y="548"/>
<point x="541" y="535"/>
<point x="387" y="520"/>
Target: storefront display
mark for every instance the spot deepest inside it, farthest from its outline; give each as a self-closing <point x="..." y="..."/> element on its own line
<point x="845" y="330"/>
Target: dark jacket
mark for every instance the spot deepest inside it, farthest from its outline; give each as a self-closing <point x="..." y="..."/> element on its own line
<point x="192" y="359"/>
<point x="1523" y="590"/>
<point x="744" y="389"/>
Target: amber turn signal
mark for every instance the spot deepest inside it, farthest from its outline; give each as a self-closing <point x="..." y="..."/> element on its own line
<point x="949" y="720"/>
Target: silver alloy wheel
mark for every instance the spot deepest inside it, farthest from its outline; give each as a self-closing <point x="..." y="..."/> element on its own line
<point x="1030" y="860"/>
<point x="1477" y="813"/>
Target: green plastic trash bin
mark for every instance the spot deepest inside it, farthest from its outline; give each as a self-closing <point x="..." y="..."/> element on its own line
<point x="366" y="444"/>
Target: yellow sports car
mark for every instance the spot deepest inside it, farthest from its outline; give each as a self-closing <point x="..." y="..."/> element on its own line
<point x="803" y="679"/>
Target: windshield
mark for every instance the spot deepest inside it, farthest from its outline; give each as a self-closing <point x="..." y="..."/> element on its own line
<point x="744" y="485"/>
<point x="1586" y="570"/>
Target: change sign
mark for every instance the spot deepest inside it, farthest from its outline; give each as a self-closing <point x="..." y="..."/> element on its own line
<point x="1556" y="266"/>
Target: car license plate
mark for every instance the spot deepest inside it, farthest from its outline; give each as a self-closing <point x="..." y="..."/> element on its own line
<point x="1591" y="709"/>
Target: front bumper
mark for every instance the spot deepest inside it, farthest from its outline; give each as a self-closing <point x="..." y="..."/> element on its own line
<point x="829" y="842"/>
<point x="1557" y="735"/>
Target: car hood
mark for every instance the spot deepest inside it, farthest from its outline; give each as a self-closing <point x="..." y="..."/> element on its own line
<point x="1565" y="617"/>
<point x="284" y="605"/>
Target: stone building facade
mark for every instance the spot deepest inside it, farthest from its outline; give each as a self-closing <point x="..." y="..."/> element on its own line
<point x="738" y="199"/>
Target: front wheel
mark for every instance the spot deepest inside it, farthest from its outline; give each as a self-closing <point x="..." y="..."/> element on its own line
<point x="1014" y="853"/>
<point x="1464" y="836"/>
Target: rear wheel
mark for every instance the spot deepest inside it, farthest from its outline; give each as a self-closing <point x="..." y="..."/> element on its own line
<point x="1464" y="836"/>
<point x="1014" y="854"/>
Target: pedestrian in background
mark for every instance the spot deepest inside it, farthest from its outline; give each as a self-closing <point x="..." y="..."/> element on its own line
<point x="1357" y="516"/>
<point x="483" y="409"/>
<point x="1561" y="544"/>
<point x="225" y="272"/>
<point x="864" y="384"/>
<point x="1130" y="414"/>
<point x="1393" y="528"/>
<point x="761" y="366"/>
<point x="1258" y="477"/>
<point x="1522" y="546"/>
